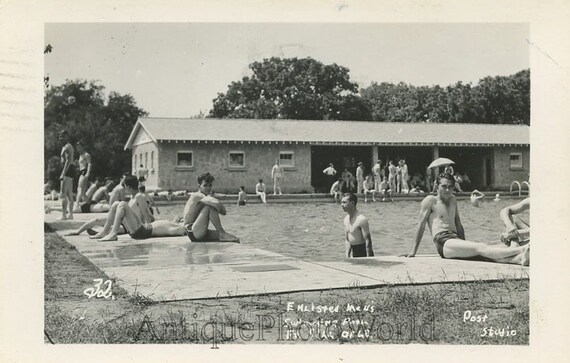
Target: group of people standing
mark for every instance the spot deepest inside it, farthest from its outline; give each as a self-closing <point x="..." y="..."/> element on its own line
<point x="376" y="181"/>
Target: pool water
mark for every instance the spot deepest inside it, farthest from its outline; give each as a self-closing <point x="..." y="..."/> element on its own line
<point x="314" y="231"/>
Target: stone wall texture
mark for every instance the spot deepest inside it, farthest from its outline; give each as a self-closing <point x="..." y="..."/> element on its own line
<point x="503" y="174"/>
<point x="214" y="158"/>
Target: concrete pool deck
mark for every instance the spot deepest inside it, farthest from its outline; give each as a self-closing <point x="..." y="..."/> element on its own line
<point x="169" y="269"/>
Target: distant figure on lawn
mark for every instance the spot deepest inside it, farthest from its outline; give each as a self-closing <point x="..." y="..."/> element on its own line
<point x="357" y="231"/>
<point x="201" y="209"/>
<point x="142" y="174"/>
<point x="441" y="213"/>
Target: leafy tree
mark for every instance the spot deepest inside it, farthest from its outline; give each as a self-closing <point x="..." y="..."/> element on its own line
<point x="103" y="124"/>
<point x="292" y="88"/>
<point x="498" y="100"/>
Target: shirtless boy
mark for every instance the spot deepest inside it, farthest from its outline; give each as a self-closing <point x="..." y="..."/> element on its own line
<point x="201" y="209"/>
<point x="441" y="213"/>
<point x="357" y="230"/>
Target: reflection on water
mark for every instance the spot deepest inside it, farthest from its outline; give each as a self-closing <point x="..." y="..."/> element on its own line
<point x="315" y="231"/>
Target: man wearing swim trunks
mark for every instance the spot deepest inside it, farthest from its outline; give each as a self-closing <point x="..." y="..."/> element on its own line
<point x="201" y="209"/>
<point x="517" y="231"/>
<point x="67" y="175"/>
<point x="358" y="239"/>
<point x="123" y="215"/>
<point x="441" y="214"/>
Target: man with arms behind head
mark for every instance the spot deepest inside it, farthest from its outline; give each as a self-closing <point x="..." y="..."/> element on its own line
<point x="441" y="213"/>
<point x="201" y="209"/>
<point x="357" y="230"/>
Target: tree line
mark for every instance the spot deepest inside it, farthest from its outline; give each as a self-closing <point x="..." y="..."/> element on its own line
<point x="278" y="88"/>
<point x="306" y="89"/>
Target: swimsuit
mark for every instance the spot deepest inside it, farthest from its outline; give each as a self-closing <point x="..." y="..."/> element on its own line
<point x="86" y="207"/>
<point x="241" y="202"/>
<point x="442" y="237"/>
<point x="190" y="234"/>
<point x="358" y="250"/>
<point x="83" y="172"/>
<point x="71" y="171"/>
<point x="144" y="232"/>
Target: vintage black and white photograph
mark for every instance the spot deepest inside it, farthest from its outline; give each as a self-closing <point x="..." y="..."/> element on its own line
<point x="327" y="181"/>
<point x="279" y="183"/>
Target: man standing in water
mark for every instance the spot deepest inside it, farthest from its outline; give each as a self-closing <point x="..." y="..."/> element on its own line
<point x="201" y="209"/>
<point x="66" y="178"/>
<point x="357" y="230"/>
<point x="441" y="213"/>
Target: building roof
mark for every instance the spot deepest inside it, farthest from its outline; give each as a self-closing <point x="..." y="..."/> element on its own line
<point x="329" y="132"/>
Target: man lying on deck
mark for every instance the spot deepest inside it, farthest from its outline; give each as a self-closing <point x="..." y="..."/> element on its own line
<point x="517" y="231"/>
<point x="122" y="215"/>
<point x="448" y="235"/>
<point x="201" y="209"/>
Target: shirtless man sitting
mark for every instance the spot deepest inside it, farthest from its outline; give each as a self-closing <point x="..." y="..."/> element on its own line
<point x="517" y="231"/>
<point x="358" y="239"/>
<point x="201" y="209"/>
<point x="441" y="213"/>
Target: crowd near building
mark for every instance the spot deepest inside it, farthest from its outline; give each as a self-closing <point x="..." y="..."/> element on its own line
<point x="174" y="151"/>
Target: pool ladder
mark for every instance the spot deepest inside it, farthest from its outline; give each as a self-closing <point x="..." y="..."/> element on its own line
<point x="520" y="186"/>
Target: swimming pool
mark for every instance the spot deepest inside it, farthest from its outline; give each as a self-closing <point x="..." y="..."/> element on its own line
<point x="314" y="231"/>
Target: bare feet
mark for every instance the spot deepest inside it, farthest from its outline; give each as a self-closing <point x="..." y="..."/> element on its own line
<point x="226" y="237"/>
<point x="74" y="233"/>
<point x="98" y="235"/>
<point x="109" y="237"/>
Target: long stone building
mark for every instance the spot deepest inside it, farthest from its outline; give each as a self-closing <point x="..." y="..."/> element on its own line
<point x="239" y="152"/>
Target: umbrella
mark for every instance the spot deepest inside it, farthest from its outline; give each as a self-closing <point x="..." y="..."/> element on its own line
<point x="439" y="162"/>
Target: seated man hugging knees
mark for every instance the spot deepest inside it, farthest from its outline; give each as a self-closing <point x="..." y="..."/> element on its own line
<point x="201" y="209"/>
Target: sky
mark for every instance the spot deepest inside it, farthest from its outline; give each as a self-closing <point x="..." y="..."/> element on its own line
<point x="177" y="69"/>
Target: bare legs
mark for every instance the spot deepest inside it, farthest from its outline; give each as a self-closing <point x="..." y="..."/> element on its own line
<point x="262" y="196"/>
<point x="200" y="227"/>
<point x="66" y="196"/>
<point x="277" y="185"/>
<point x="81" y="190"/>
<point x="120" y="213"/>
<point x="456" y="248"/>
